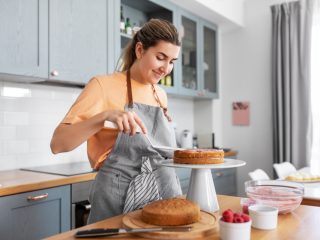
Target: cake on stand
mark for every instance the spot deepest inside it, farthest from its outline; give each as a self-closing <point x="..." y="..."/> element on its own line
<point x="201" y="187"/>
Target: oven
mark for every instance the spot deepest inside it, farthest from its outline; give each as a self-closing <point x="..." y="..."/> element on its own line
<point x="80" y="207"/>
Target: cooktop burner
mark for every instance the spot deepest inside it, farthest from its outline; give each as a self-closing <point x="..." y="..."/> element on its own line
<point x="68" y="169"/>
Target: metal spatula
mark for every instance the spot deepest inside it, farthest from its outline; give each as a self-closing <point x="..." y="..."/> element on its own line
<point x="108" y="124"/>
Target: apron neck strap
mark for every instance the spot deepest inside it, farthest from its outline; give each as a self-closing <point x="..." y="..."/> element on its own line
<point x="129" y="90"/>
<point x="165" y="110"/>
<point x="130" y="98"/>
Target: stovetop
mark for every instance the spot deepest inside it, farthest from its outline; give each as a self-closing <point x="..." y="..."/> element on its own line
<point x="68" y="169"/>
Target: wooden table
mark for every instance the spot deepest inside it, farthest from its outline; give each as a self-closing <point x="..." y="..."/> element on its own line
<point x="311" y="194"/>
<point x="303" y="223"/>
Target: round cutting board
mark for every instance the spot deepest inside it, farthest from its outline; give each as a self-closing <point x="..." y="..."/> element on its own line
<point x="206" y="226"/>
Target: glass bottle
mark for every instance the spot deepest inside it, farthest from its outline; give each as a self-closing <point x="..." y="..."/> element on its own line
<point x="122" y="21"/>
<point x="128" y="27"/>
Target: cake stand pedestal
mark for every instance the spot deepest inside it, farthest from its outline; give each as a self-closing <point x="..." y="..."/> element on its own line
<point x="201" y="187"/>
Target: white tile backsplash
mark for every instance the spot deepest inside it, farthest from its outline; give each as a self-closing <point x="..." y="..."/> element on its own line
<point x="1" y="117"/>
<point x="7" y="132"/>
<point x="27" y="124"/>
<point x="15" y="118"/>
<point x="182" y="111"/>
<point x="14" y="147"/>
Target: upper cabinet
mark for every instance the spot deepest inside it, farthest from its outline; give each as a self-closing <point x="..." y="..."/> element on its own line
<point x="189" y="70"/>
<point x="195" y="73"/>
<point x="57" y="40"/>
<point x="208" y="61"/>
<point x="198" y="70"/>
<point x="132" y="15"/>
<point x="78" y="39"/>
<point x="24" y="38"/>
<point x="72" y="41"/>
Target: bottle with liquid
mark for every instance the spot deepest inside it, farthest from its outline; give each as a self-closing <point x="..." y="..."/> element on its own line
<point x="122" y="21"/>
<point x="162" y="81"/>
<point x="128" y="27"/>
<point x="168" y="81"/>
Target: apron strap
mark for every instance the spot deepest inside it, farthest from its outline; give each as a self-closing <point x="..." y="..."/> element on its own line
<point x="129" y="90"/>
<point x="130" y="98"/>
<point x="165" y="110"/>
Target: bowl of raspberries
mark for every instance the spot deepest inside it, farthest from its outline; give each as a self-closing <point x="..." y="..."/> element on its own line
<point x="235" y="225"/>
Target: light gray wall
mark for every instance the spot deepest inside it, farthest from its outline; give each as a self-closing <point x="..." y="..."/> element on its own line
<point x="246" y="76"/>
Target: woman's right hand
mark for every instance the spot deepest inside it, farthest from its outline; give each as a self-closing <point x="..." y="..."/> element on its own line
<point x="127" y="121"/>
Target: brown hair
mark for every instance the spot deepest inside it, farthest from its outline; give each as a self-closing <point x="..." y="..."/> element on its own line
<point x="149" y="35"/>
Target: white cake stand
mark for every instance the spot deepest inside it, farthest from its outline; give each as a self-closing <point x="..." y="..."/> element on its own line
<point x="201" y="187"/>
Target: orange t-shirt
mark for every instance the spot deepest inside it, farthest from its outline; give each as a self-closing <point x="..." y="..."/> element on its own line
<point x="103" y="93"/>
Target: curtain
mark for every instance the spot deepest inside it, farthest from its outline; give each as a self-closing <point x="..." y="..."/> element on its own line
<point x="315" y="89"/>
<point x="291" y="41"/>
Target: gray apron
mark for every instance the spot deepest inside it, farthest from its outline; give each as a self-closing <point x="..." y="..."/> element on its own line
<point x="132" y="158"/>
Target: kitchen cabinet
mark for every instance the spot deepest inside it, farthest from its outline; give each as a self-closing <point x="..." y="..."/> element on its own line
<point x="195" y="73"/>
<point x="35" y="215"/>
<point x="198" y="68"/>
<point x="189" y="68"/>
<point x="225" y="181"/>
<point x="78" y="40"/>
<point x="71" y="41"/>
<point x="139" y="12"/>
<point x="63" y="41"/>
<point x="24" y="38"/>
<point x="208" y="61"/>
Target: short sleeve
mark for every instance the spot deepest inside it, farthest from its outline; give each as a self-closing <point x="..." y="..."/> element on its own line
<point x="89" y="103"/>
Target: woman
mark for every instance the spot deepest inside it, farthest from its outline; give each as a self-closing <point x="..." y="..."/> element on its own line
<point x="129" y="176"/>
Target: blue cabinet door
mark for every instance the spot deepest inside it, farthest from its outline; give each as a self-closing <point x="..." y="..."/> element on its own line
<point x="209" y="84"/>
<point x="24" y="38"/>
<point x="78" y="39"/>
<point x="188" y="25"/>
<point x="47" y="214"/>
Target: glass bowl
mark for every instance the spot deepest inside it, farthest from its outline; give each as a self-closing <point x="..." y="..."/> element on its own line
<point x="284" y="195"/>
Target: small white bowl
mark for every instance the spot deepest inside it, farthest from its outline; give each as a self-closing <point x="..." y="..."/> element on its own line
<point x="231" y="231"/>
<point x="263" y="217"/>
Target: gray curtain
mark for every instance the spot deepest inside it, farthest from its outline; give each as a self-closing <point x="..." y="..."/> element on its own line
<point x="291" y="42"/>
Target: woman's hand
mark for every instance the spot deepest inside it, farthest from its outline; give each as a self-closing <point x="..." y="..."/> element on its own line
<point x="67" y="137"/>
<point x="127" y="121"/>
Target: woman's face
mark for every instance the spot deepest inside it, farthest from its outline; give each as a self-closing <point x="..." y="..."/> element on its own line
<point x="157" y="61"/>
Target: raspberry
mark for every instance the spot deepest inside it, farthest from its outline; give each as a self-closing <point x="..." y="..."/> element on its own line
<point x="245" y="209"/>
<point x="238" y="219"/>
<point x="237" y="215"/>
<point x="228" y="219"/>
<point x="245" y="217"/>
<point x="227" y="215"/>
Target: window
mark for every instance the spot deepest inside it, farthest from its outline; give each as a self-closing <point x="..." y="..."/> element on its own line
<point x="315" y="90"/>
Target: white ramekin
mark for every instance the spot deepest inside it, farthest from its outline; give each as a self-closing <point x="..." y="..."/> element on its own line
<point x="263" y="217"/>
<point x="231" y="231"/>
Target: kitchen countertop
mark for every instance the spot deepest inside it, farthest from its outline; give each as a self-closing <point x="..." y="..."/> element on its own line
<point x="311" y="194"/>
<point x="230" y="153"/>
<point x="301" y="224"/>
<point x="18" y="181"/>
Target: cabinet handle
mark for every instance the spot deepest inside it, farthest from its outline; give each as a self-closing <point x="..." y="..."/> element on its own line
<point x="37" y="198"/>
<point x="54" y="73"/>
<point x="219" y="174"/>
